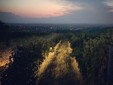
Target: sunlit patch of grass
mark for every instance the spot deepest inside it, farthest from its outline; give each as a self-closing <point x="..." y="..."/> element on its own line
<point x="46" y="62"/>
<point x="59" y="63"/>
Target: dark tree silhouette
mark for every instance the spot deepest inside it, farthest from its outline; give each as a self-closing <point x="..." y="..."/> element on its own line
<point x="21" y="70"/>
<point x="3" y="31"/>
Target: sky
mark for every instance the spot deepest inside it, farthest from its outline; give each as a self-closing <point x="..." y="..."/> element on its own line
<point x="57" y="11"/>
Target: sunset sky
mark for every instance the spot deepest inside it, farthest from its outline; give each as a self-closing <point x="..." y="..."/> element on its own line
<point x="57" y="11"/>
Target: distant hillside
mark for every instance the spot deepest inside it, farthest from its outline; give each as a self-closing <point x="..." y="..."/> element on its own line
<point x="9" y="17"/>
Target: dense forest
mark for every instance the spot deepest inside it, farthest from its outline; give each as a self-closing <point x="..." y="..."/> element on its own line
<point x="48" y="55"/>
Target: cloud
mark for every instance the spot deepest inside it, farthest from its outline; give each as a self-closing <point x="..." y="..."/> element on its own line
<point x="109" y="3"/>
<point x="39" y="8"/>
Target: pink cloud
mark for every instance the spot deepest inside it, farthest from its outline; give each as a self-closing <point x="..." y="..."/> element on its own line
<point x="41" y="8"/>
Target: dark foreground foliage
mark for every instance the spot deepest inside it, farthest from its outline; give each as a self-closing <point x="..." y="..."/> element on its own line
<point x="22" y="65"/>
<point x="92" y="48"/>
